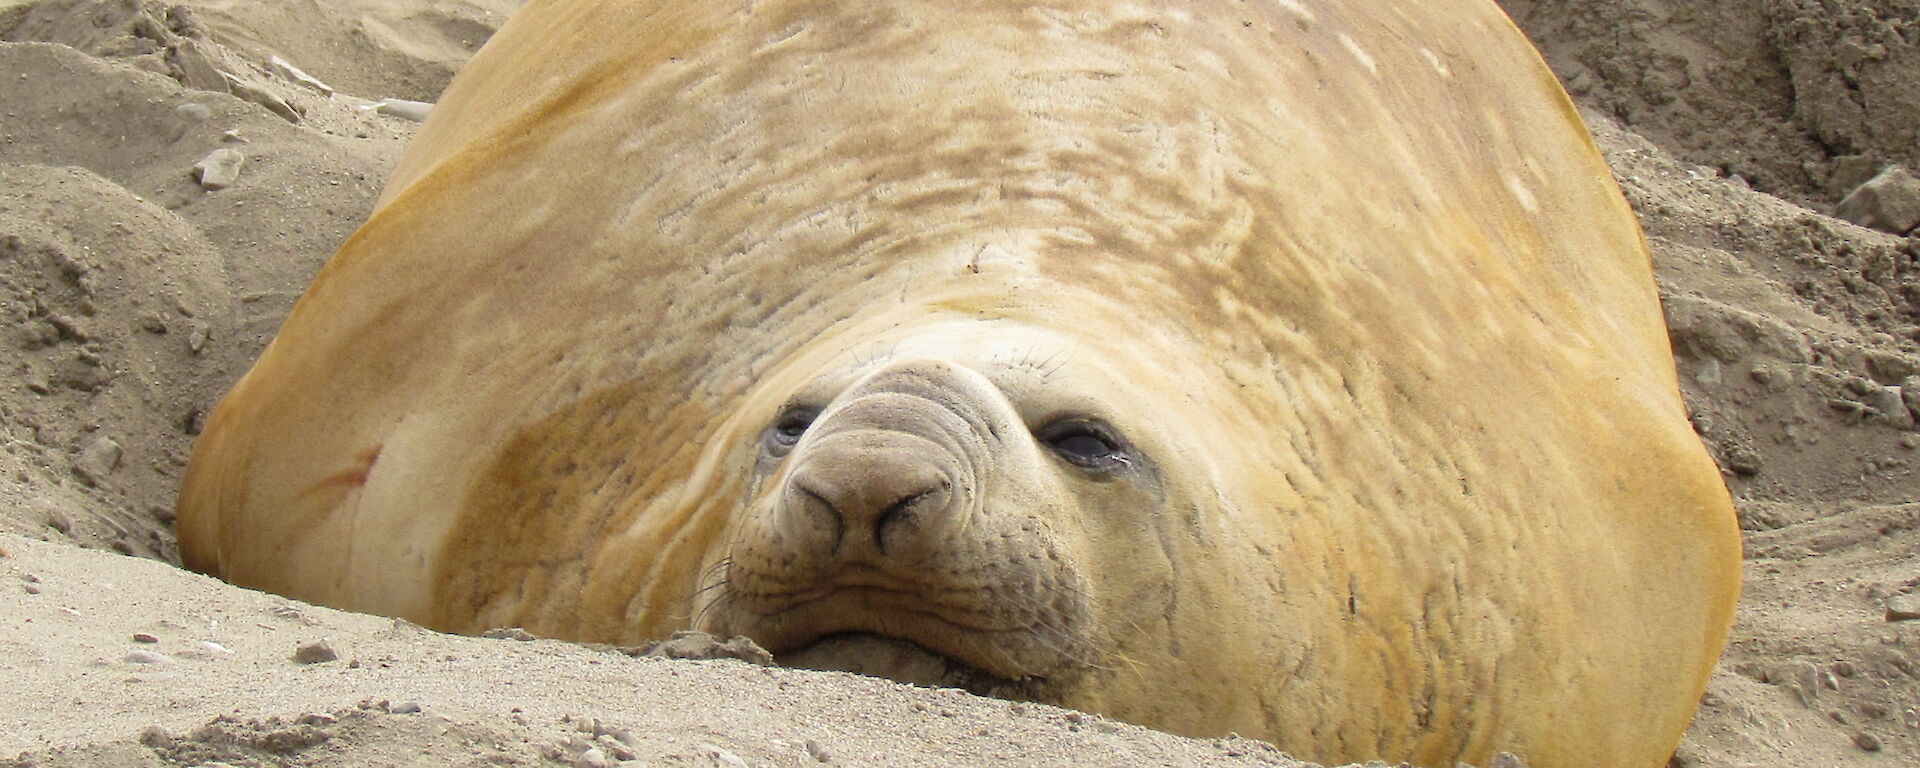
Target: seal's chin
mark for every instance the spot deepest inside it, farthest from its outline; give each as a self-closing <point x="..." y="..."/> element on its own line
<point x="865" y="653"/>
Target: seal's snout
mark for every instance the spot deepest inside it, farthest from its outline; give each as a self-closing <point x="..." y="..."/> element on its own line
<point x="871" y="494"/>
<point x="902" y="536"/>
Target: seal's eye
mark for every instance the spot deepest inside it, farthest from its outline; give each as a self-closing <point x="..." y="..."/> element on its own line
<point x="786" y="430"/>
<point x="1084" y="443"/>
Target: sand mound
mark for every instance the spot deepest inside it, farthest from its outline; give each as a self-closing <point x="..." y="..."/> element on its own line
<point x="135" y="295"/>
<point x="1802" y="98"/>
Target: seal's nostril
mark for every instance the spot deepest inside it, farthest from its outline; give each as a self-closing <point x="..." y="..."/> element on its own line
<point x="817" y="511"/>
<point x="898" y="512"/>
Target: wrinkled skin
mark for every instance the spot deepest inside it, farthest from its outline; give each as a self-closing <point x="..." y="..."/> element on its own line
<point x="959" y="492"/>
<point x="1288" y="368"/>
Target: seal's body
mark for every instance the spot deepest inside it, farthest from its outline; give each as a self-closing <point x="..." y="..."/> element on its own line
<point x="1286" y="368"/>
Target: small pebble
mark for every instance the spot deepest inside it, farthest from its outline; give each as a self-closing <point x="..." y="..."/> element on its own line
<point x="1505" y="760"/>
<point x="149" y="657"/>
<point x="219" y="170"/>
<point x="286" y="69"/>
<point x="405" y="708"/>
<point x="1903" y="608"/>
<point x="316" y="652"/>
<point x="32" y="589"/>
<point x="98" y="459"/>
<point x="592" y="758"/>
<point x="618" y="751"/>
<point x="818" y="752"/>
<point x="415" y="111"/>
<point x="1866" y="741"/>
<point x="318" y="718"/>
<point x="509" y="633"/>
<point x="142" y="637"/>
<point x="193" y="111"/>
<point x="724" y="758"/>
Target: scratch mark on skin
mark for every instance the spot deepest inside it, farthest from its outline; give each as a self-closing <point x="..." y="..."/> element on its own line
<point x="351" y="478"/>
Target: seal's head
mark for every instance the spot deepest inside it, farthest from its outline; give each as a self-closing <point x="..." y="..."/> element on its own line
<point x="931" y="515"/>
<point x="937" y="511"/>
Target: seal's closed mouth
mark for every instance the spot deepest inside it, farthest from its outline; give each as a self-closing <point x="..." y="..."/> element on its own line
<point x="866" y="653"/>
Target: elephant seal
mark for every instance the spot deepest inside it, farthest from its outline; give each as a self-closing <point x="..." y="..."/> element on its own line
<point x="1291" y="368"/>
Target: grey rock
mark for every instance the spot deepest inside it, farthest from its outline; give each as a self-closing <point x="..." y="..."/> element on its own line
<point x="286" y="69"/>
<point x="193" y="110"/>
<point x="1888" y="401"/>
<point x="197" y="337"/>
<point x="615" y="749"/>
<point x="593" y="757"/>
<point x="219" y="170"/>
<point x="98" y="460"/>
<point x="1903" y="608"/>
<point x="723" y="758"/>
<point x="1889" y="202"/>
<point x="415" y="111"/>
<point x="195" y="69"/>
<point x="263" y="95"/>
<point x="687" y="644"/>
<point x="315" y="652"/>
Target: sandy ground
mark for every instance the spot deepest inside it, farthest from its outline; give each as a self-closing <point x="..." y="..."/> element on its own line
<point x="131" y="297"/>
